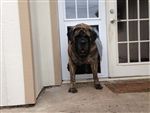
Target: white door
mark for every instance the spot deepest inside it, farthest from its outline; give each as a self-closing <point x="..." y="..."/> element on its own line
<point x="92" y="12"/>
<point x="129" y="38"/>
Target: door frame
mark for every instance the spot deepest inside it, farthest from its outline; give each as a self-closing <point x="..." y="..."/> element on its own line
<point x="62" y="25"/>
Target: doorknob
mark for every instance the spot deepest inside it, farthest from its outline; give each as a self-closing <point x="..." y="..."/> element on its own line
<point x="113" y="21"/>
<point x="112" y="11"/>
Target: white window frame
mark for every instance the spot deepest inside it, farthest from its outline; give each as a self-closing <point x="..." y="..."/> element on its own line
<point x="127" y="20"/>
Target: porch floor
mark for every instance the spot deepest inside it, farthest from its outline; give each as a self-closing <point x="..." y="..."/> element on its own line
<point x="88" y="99"/>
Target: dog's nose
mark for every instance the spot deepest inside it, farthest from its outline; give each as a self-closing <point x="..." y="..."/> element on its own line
<point x="83" y="41"/>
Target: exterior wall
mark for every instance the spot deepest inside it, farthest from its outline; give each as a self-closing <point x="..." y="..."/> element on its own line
<point x="27" y="52"/>
<point x="12" y="61"/>
<point x="36" y="48"/>
<point x="16" y="74"/>
<point x="45" y="40"/>
<point x="17" y="70"/>
<point x="56" y="41"/>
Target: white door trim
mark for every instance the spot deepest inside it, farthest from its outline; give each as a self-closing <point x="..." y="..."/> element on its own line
<point x="64" y="43"/>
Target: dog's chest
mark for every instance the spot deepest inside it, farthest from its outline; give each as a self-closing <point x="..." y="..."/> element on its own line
<point x="91" y="58"/>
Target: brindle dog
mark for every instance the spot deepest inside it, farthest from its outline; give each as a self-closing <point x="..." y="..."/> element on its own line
<point x="82" y="50"/>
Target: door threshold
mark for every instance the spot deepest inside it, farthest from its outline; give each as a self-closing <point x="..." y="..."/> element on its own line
<point x="110" y="79"/>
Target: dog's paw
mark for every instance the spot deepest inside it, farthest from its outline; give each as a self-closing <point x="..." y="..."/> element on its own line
<point x="98" y="86"/>
<point x="72" y="90"/>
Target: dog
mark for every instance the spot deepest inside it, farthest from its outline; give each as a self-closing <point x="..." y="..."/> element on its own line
<point x="82" y="49"/>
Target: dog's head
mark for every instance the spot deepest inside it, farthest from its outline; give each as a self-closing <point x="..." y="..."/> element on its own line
<point x="81" y="37"/>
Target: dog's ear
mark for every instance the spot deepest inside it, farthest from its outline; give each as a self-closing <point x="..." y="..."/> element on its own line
<point x="70" y="33"/>
<point x="94" y="35"/>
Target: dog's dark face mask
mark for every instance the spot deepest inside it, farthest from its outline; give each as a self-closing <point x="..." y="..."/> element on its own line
<point x="82" y="44"/>
<point x="82" y="41"/>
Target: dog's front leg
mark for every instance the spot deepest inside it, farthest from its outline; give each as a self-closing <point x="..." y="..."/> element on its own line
<point x="72" y="69"/>
<point x="94" y="67"/>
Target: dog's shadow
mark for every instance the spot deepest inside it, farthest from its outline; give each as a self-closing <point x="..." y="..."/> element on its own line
<point x="85" y="85"/>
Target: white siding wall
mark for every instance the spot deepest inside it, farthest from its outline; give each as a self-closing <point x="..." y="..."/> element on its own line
<point x="42" y="44"/>
<point x="11" y="73"/>
<point x="12" y="80"/>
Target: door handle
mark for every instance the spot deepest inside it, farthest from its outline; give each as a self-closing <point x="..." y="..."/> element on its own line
<point x="112" y="11"/>
<point x="113" y="21"/>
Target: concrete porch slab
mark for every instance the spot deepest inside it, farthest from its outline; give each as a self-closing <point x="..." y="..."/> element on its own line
<point x="88" y="99"/>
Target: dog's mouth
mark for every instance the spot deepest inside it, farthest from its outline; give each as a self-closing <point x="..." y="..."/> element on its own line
<point x="82" y="51"/>
<point x="82" y="44"/>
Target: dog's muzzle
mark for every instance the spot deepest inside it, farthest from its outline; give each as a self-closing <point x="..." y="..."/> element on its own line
<point x="82" y="47"/>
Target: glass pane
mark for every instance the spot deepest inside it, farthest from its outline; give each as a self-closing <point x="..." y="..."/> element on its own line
<point x="145" y="51"/>
<point x="143" y="8"/>
<point x="132" y="9"/>
<point x="144" y="30"/>
<point x="70" y="9"/>
<point x="122" y="31"/>
<point x="93" y="8"/>
<point x="123" y="53"/>
<point x="133" y="52"/>
<point x="82" y="8"/>
<point x="121" y="9"/>
<point x="133" y="31"/>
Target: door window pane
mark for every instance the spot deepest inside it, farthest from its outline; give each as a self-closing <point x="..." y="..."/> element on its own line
<point x="143" y="8"/>
<point x="145" y="51"/>
<point x="133" y="31"/>
<point x="144" y="30"/>
<point x="122" y="31"/>
<point x="132" y="9"/>
<point x="133" y="52"/>
<point x="123" y="53"/>
<point x="93" y="8"/>
<point x="121" y="9"/>
<point x="138" y="31"/>
<point x="82" y="8"/>
<point x="70" y="9"/>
